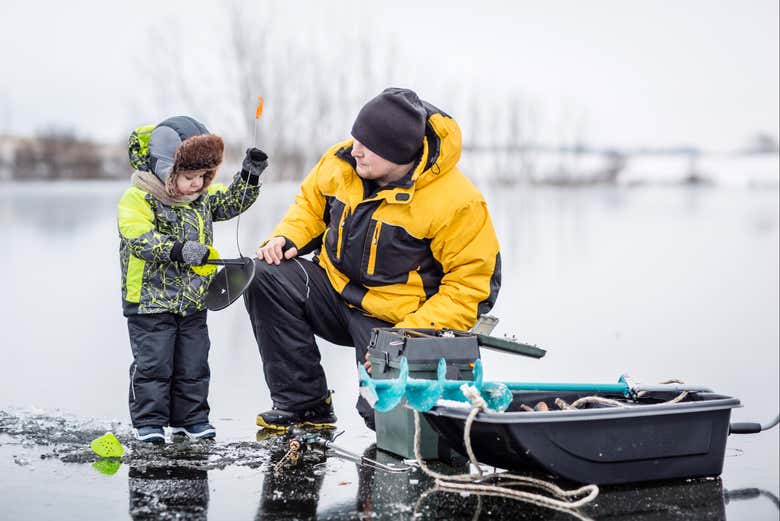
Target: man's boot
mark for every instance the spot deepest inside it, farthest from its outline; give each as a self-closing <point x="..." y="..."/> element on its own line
<point x="318" y="416"/>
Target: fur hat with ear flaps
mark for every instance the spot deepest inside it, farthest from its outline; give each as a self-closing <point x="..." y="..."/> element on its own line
<point x="203" y="152"/>
<point x="182" y="143"/>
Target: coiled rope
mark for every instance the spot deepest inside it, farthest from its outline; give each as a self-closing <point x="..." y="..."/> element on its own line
<point x="615" y="403"/>
<point x="566" y="501"/>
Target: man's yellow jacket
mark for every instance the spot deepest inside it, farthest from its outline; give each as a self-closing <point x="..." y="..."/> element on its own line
<point x="420" y="252"/>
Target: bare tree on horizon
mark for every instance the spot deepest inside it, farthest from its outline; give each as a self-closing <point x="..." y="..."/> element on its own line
<point x="310" y="97"/>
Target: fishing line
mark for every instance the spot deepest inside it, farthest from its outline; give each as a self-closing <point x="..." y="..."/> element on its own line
<point x="258" y="113"/>
<point x="238" y="218"/>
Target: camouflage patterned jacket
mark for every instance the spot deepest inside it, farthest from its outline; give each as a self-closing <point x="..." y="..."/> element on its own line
<point x="148" y="229"/>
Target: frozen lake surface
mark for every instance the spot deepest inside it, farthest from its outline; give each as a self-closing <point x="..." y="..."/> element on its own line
<point x="656" y="282"/>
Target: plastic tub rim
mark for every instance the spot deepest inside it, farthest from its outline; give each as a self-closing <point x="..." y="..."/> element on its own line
<point x="650" y="410"/>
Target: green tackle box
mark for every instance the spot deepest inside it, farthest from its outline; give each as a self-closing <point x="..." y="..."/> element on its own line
<point x="422" y="348"/>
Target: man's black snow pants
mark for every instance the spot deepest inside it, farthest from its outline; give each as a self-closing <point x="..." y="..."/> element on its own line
<point x="169" y="376"/>
<point x="288" y="304"/>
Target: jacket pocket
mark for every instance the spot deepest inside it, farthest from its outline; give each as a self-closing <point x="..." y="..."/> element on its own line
<point x="340" y="237"/>
<point x="134" y="278"/>
<point x="391" y="254"/>
<point x="373" y="248"/>
<point x="334" y="234"/>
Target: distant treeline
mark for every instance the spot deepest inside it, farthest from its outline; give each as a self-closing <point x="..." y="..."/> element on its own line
<point x="60" y="154"/>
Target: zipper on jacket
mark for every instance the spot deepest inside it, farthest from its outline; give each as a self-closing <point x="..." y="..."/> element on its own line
<point x="201" y="226"/>
<point x="372" y="250"/>
<point x="188" y="271"/>
<point x="344" y="215"/>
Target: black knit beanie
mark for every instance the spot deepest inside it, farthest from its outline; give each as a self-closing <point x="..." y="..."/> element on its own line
<point x="392" y="125"/>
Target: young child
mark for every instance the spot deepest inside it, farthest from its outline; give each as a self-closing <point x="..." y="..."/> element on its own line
<point x="165" y="228"/>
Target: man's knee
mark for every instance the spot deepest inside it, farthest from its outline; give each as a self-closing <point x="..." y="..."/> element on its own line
<point x="273" y="276"/>
<point x="265" y="285"/>
<point x="274" y="288"/>
<point x="265" y="272"/>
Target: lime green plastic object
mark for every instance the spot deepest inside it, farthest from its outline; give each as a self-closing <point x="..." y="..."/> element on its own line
<point x="207" y="269"/>
<point x="107" y="466"/>
<point x="107" y="446"/>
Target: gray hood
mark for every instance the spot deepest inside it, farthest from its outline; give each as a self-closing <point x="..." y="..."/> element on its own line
<point x="166" y="138"/>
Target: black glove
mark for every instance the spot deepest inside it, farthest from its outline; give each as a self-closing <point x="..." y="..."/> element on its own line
<point x="254" y="163"/>
<point x="193" y="253"/>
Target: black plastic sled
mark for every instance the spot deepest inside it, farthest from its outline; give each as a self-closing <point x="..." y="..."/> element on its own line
<point x="645" y="441"/>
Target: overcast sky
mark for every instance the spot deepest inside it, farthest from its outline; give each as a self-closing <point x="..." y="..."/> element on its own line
<point x="650" y="73"/>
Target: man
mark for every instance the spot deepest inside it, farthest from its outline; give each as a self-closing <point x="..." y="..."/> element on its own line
<point x="402" y="239"/>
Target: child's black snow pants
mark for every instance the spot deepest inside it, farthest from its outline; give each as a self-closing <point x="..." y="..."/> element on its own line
<point x="169" y="376"/>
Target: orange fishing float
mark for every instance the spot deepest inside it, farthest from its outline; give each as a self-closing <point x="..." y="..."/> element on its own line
<point x="258" y="113"/>
<point x="259" y="110"/>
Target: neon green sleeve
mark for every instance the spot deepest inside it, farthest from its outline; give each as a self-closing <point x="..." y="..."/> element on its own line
<point x="135" y="219"/>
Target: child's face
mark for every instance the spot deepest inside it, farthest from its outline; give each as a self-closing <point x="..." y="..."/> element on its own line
<point x="190" y="182"/>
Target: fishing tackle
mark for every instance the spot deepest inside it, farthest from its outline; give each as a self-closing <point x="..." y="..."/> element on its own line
<point x="301" y="441"/>
<point x="236" y="274"/>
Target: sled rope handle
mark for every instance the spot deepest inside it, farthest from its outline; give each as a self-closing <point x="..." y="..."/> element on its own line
<point x="561" y="500"/>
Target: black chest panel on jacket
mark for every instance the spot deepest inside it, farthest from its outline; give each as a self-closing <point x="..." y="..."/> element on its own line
<point x="396" y="253"/>
<point x="356" y="239"/>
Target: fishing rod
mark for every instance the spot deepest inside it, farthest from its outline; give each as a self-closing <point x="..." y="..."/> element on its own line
<point x="237" y="274"/>
<point x="227" y="262"/>
<point x="254" y="155"/>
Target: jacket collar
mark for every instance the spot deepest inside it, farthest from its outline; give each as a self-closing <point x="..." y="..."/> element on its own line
<point x="398" y="192"/>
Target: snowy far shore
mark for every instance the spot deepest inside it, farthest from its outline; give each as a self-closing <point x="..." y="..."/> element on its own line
<point x="25" y="159"/>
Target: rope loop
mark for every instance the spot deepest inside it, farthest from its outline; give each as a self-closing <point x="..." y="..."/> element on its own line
<point x="566" y="501"/>
<point x="474" y="396"/>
